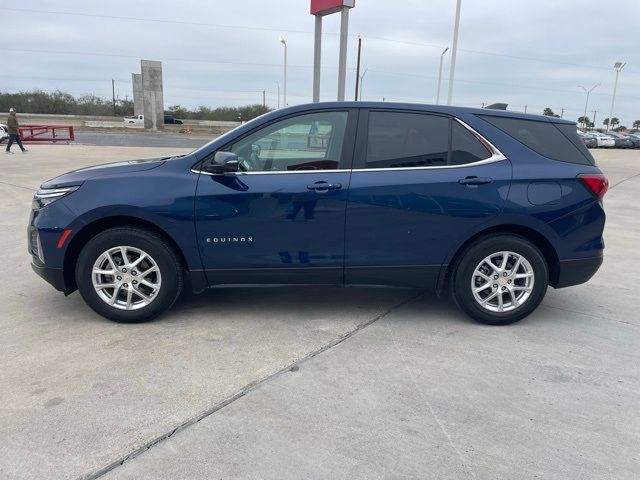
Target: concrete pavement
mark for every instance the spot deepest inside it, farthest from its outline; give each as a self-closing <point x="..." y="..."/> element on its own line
<point x="318" y="383"/>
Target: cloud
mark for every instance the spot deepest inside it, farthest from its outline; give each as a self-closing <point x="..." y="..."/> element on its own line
<point x="225" y="53"/>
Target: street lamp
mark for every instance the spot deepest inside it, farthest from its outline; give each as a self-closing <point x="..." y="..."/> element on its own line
<point x="362" y="81"/>
<point x="440" y="75"/>
<point x="617" y="67"/>
<point x="284" y="93"/>
<point x="586" y="104"/>
<point x="454" y="51"/>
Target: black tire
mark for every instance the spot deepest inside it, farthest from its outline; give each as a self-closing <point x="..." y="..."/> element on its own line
<point x="165" y="257"/>
<point x="466" y="264"/>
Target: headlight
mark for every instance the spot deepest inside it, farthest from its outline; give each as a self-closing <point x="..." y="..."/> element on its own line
<point x="45" y="196"/>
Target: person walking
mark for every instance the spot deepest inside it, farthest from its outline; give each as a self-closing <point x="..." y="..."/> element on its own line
<point x="14" y="134"/>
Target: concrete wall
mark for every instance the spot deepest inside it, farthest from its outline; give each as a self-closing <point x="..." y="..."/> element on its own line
<point x="152" y="92"/>
<point x="88" y="122"/>
<point x="138" y="94"/>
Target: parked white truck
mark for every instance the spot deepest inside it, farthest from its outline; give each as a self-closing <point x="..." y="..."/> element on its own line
<point x="134" y="120"/>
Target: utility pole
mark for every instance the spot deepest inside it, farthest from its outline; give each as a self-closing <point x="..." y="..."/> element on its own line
<point x="264" y="98"/>
<point x="594" y="117"/>
<point x="454" y="52"/>
<point x="278" y="84"/>
<point x="617" y="67"/>
<point x="562" y="113"/>
<point x="525" y="109"/>
<point x="440" y="76"/>
<point x="113" y="93"/>
<point x="358" y="66"/>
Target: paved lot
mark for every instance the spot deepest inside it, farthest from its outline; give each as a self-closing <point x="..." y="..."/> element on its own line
<point x="318" y="383"/>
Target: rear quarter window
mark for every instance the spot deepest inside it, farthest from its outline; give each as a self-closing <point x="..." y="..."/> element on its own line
<point x="555" y="141"/>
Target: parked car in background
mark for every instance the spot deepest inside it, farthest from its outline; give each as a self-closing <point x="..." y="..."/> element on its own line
<point x="635" y="140"/>
<point x="604" y="141"/>
<point x="169" y="120"/>
<point x="4" y="132"/>
<point x="492" y="206"/>
<point x="588" y="139"/>
<point x="621" y="141"/>
<point x="134" y="120"/>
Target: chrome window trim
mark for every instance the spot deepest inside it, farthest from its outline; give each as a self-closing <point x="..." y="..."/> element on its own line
<point x="496" y="156"/>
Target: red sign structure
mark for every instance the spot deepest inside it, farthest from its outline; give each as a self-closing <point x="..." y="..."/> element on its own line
<point x="320" y="8"/>
<point x="327" y="7"/>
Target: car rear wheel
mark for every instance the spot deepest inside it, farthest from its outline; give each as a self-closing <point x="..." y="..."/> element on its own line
<point x="500" y="279"/>
<point x="129" y="274"/>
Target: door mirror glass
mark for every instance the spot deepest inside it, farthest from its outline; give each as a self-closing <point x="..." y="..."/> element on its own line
<point x="222" y="162"/>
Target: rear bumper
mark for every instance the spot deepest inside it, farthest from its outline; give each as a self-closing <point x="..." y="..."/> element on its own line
<point x="575" y="272"/>
<point x="53" y="276"/>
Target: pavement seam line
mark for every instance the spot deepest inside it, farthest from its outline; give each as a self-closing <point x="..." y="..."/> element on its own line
<point x="18" y="186"/>
<point x="599" y="317"/>
<point x="444" y="431"/>
<point x="248" y="388"/>
<point x="624" y="180"/>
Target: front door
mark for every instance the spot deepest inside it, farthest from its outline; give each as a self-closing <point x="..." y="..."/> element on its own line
<point x="420" y="184"/>
<point x="281" y="218"/>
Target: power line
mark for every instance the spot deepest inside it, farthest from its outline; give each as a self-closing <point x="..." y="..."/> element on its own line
<point x="305" y="32"/>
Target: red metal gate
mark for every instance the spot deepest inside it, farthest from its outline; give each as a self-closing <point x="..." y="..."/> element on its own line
<point x="46" y="133"/>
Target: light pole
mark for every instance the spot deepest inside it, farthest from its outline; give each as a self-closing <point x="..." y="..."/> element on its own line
<point x="617" y="67"/>
<point x="440" y="75"/>
<point x="586" y="103"/>
<point x="454" y="51"/>
<point x="362" y="81"/>
<point x="284" y="93"/>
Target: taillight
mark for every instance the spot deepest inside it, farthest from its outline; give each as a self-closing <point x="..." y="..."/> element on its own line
<point x="597" y="183"/>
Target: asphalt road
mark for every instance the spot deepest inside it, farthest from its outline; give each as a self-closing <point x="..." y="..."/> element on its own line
<point x="322" y="382"/>
<point x="150" y="140"/>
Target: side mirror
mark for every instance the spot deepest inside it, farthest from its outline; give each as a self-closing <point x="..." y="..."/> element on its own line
<point x="222" y="162"/>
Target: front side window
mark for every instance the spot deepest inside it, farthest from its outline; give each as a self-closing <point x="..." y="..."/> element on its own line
<point x="397" y="140"/>
<point x="312" y="141"/>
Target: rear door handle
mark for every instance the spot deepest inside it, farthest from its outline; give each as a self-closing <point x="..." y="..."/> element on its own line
<point x="322" y="186"/>
<point x="475" y="181"/>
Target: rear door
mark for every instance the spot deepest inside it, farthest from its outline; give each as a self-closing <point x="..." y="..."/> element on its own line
<point x="421" y="183"/>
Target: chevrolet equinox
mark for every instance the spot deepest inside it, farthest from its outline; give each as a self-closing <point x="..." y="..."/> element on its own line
<point x="491" y="206"/>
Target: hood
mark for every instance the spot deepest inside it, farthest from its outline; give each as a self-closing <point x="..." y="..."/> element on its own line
<point x="77" y="177"/>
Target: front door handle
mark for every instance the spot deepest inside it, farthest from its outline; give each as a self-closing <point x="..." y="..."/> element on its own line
<point x="322" y="186"/>
<point x="470" y="181"/>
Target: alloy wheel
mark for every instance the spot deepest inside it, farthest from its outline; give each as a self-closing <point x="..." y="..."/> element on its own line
<point x="502" y="282"/>
<point x="126" y="278"/>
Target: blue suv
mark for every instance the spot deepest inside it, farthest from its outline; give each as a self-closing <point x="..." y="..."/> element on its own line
<point x="491" y="206"/>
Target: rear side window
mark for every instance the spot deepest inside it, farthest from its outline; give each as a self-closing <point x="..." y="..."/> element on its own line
<point x="555" y="141"/>
<point x="398" y="140"/>
<point x="571" y="133"/>
<point x="465" y="146"/>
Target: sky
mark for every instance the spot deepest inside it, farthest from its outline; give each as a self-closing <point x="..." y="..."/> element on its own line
<point x="529" y="54"/>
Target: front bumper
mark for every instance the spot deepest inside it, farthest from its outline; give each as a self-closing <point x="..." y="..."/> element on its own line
<point x="54" y="276"/>
<point x="575" y="272"/>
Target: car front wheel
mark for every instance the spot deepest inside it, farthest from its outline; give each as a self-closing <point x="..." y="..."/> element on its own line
<point x="500" y="279"/>
<point x="129" y="274"/>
